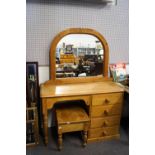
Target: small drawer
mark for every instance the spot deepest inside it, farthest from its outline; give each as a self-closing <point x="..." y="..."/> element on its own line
<point x="105" y="122"/>
<point x="101" y="132"/>
<point x="107" y="99"/>
<point x="71" y="127"/>
<point x="102" y="111"/>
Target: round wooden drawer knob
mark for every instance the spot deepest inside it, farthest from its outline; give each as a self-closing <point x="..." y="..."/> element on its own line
<point x="105" y="123"/>
<point x="107" y="101"/>
<point x="105" y="112"/>
<point x="104" y="133"/>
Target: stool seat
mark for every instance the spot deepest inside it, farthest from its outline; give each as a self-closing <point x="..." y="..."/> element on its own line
<point x="69" y="115"/>
<point x="69" y="119"/>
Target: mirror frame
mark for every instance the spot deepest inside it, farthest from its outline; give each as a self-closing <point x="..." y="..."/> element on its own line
<point x="54" y="43"/>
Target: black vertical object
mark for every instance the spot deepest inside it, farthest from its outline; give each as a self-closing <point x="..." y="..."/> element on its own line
<point x="32" y="83"/>
<point x="32" y="88"/>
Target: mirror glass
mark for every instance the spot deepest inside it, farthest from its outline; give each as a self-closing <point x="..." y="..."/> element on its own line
<point x="79" y="55"/>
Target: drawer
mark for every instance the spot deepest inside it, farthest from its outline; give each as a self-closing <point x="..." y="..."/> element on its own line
<point x="71" y="127"/>
<point x="107" y="99"/>
<point x="101" y="132"/>
<point x="105" y="122"/>
<point x="102" y="111"/>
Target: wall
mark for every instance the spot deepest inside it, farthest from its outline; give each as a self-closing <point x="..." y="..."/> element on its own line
<point x="46" y="18"/>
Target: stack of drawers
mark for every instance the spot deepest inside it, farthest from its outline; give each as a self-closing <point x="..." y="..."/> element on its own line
<point x="105" y="116"/>
<point x="67" y="58"/>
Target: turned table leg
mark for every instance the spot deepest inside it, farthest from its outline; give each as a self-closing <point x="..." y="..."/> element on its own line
<point x="60" y="142"/>
<point x="85" y="135"/>
<point x="85" y="138"/>
<point x="59" y="139"/>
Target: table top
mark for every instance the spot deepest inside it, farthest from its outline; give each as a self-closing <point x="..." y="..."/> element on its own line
<point x="125" y="87"/>
<point x="52" y="90"/>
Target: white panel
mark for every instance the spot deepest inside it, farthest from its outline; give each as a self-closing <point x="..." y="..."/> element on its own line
<point x="43" y="74"/>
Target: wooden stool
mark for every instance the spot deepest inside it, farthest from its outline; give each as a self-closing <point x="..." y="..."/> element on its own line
<point x="71" y="118"/>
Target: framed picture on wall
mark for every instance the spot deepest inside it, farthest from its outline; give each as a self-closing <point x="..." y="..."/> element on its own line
<point x="32" y="104"/>
<point x="32" y="84"/>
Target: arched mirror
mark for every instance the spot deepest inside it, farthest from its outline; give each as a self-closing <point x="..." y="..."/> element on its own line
<point x="79" y="54"/>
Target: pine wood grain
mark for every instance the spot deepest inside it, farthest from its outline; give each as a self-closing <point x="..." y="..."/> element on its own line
<point x="105" y="121"/>
<point x="53" y="90"/>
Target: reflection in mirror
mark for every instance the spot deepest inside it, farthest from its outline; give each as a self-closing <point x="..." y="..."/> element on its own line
<point x="79" y="55"/>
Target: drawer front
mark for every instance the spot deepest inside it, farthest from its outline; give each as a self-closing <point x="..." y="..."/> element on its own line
<point x="107" y="99"/>
<point x="51" y="101"/>
<point x="105" y="122"/>
<point x="71" y="127"/>
<point x="102" y="111"/>
<point x="67" y="61"/>
<point x="101" y="132"/>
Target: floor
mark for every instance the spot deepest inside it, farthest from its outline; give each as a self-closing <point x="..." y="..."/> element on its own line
<point x="72" y="145"/>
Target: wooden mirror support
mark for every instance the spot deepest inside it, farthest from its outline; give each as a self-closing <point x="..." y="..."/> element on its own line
<point x="78" y="79"/>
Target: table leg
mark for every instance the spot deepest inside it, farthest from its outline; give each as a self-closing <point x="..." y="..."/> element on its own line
<point x="85" y="138"/>
<point x="45" y="121"/>
<point x="60" y="138"/>
<point x="60" y="142"/>
<point x="45" y="129"/>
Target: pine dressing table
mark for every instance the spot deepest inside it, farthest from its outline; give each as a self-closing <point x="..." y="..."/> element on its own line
<point x="103" y="97"/>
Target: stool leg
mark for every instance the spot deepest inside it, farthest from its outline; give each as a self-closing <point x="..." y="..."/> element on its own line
<point x="85" y="138"/>
<point x="60" y="141"/>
